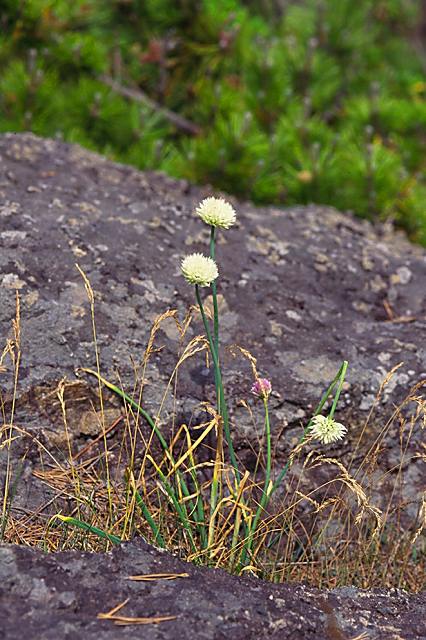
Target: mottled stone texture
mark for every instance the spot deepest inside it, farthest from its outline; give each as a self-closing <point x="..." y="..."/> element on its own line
<point x="59" y="596"/>
<point x="302" y="288"/>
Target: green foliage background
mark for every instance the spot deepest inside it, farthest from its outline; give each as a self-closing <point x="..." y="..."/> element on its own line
<point x="294" y="101"/>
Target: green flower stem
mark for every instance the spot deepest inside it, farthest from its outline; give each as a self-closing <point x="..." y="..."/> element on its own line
<point x="224" y="410"/>
<point x="215" y="311"/>
<point x="340" y="377"/>
<point x="342" y="372"/>
<point x="266" y="494"/>
<point x="214" y="489"/>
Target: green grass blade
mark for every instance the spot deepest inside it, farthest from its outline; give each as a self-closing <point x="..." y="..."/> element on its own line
<point x="80" y="524"/>
<point x="180" y="511"/>
<point x="133" y="404"/>
<point x="158" y="539"/>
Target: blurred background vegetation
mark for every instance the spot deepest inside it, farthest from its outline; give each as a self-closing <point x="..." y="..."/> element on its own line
<point x="279" y="101"/>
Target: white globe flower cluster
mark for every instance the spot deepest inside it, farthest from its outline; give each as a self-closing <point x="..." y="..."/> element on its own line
<point x="198" y="269"/>
<point x="327" y="430"/>
<point x="217" y="213"/>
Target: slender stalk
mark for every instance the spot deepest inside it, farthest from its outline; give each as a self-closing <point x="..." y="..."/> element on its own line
<point x="342" y="372"/>
<point x="267" y="490"/>
<point x="214" y="488"/>
<point x="214" y="494"/>
<point x="268" y="456"/>
<point x="91" y="298"/>
<point x="339" y="378"/>
<point x="6" y="506"/>
<point x="224" y="411"/>
<point x="215" y="313"/>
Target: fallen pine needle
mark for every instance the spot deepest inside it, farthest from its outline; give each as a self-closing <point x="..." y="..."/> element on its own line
<point x="112" y="611"/>
<point x="158" y="576"/>
<point x="127" y="620"/>
<point x="122" y="621"/>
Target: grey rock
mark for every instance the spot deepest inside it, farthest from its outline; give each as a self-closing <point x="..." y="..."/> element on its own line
<point x="204" y="603"/>
<point x="128" y="231"/>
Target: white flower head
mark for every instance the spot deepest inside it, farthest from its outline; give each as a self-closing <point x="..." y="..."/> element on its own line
<point x="199" y="269"/>
<point x="216" y="212"/>
<point x="326" y="429"/>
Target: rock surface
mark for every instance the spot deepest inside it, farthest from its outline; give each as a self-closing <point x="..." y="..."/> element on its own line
<point x="59" y="596"/>
<point x="303" y="288"/>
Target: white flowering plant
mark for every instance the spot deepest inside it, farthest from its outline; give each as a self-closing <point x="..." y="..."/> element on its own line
<point x="195" y="495"/>
<point x="200" y="270"/>
<point x="201" y="523"/>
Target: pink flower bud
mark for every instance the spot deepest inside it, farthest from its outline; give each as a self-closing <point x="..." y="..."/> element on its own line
<point x="262" y="388"/>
